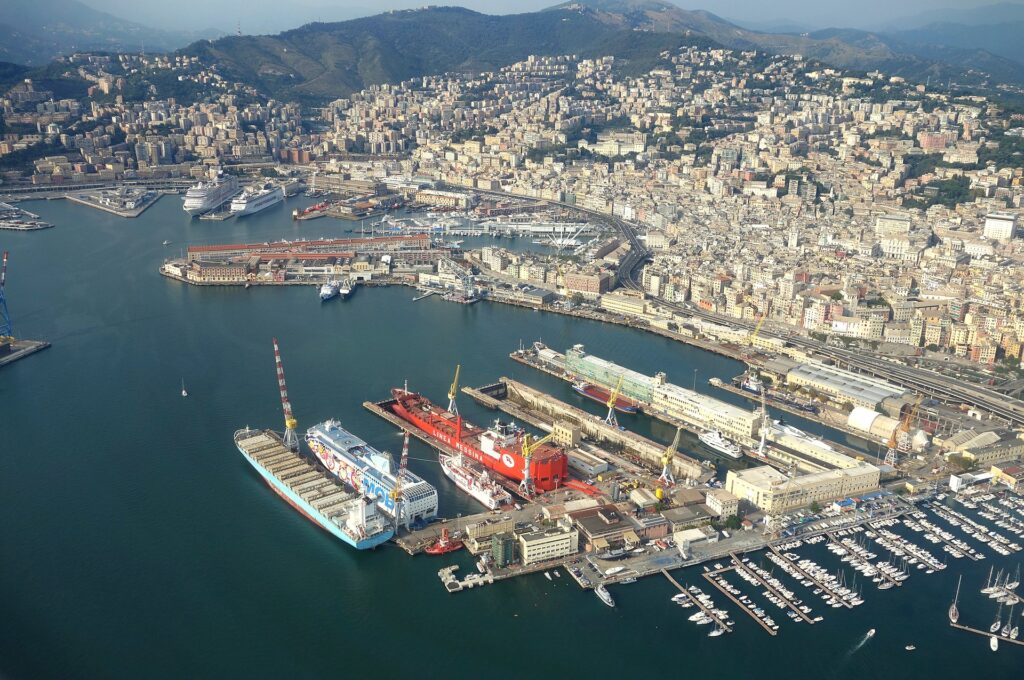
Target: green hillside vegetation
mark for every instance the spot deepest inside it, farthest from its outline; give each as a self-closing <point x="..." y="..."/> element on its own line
<point x="320" y="62"/>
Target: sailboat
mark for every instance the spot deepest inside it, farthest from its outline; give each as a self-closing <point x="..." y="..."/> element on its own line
<point x="1005" y="632"/>
<point x="184" y="392"/>
<point x="954" y="613"/>
<point x="998" y="622"/>
<point x="988" y="583"/>
<point x="1012" y="585"/>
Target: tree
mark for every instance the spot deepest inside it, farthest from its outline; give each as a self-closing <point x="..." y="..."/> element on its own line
<point x="815" y="507"/>
<point x="733" y="522"/>
<point x="577" y="298"/>
<point x="932" y="347"/>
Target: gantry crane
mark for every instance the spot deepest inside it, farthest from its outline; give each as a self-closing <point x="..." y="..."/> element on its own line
<point x="396" y="493"/>
<point x="291" y="439"/>
<point x="760" y="322"/>
<point x="527" y="449"/>
<point x="667" y="477"/>
<point x="454" y="390"/>
<point x="613" y="398"/>
<point x="899" y="441"/>
<point x="6" y="330"/>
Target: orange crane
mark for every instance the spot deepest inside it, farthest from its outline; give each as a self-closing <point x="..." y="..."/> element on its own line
<point x="899" y="440"/>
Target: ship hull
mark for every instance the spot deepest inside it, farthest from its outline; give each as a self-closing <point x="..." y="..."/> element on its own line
<point x="601" y="395"/>
<point x="464" y="438"/>
<point x="310" y="513"/>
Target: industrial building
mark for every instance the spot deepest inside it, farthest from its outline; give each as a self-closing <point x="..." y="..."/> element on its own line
<point x="842" y="386"/>
<point x="548" y="544"/>
<point x="774" y="492"/>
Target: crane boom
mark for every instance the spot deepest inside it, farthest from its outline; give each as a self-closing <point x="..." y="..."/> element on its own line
<point x="526" y="449"/>
<point x="666" y="459"/>
<point x="396" y="493"/>
<point x="613" y="399"/>
<point x="291" y="439"/>
<point x="453" y="390"/>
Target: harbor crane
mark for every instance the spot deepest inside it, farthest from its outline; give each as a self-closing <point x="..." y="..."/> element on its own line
<point x="760" y="323"/>
<point x="291" y="439"/>
<point x="667" y="477"/>
<point x="6" y="330"/>
<point x="527" y="449"/>
<point x="452" y="391"/>
<point x="396" y="493"/>
<point x="613" y="398"/>
<point x="900" y="441"/>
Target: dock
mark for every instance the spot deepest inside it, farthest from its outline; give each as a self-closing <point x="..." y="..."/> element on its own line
<point x="710" y="577"/>
<point x="824" y="587"/>
<point x="700" y="605"/>
<point x="129" y="208"/>
<point x="859" y="560"/>
<point x="985" y="633"/>
<point x="769" y="587"/>
<point x="20" y="349"/>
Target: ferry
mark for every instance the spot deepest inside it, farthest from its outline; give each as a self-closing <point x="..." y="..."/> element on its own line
<point x="715" y="441"/>
<point x="253" y="200"/>
<point x="206" y="196"/>
<point x="601" y="395"/>
<point x="373" y="473"/>
<point x="474" y="481"/>
<point x="349" y="516"/>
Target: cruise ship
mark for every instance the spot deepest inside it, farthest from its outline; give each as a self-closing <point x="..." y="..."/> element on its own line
<point x="254" y="199"/>
<point x="352" y="517"/>
<point x="474" y="481"/>
<point x="372" y="472"/>
<point x="714" y="440"/>
<point x="207" y="195"/>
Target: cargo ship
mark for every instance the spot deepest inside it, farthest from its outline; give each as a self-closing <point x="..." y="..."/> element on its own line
<point x="498" y="448"/>
<point x="601" y="395"/>
<point x="350" y="516"/>
<point x="474" y="481"/>
<point x="372" y="472"/>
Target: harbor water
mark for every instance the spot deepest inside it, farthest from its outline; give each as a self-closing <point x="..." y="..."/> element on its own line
<point x="137" y="542"/>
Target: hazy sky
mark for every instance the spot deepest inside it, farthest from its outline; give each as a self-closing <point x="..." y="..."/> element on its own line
<point x="272" y="16"/>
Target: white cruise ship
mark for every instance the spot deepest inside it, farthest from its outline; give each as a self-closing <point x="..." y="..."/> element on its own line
<point x="255" y="199"/>
<point x="209" y="194"/>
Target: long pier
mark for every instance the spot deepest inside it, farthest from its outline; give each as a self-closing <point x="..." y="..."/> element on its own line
<point x="700" y="605"/>
<point x="933" y="529"/>
<point x="710" y="577"/>
<point x="772" y="589"/>
<point x="985" y="633"/>
<point x="824" y="587"/>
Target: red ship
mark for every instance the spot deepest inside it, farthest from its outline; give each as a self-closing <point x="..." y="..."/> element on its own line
<point x="498" y="448"/>
<point x="443" y="545"/>
<point x="601" y="395"/>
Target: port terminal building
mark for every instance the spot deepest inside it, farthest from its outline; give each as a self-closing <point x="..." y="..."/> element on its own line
<point x="774" y="492"/>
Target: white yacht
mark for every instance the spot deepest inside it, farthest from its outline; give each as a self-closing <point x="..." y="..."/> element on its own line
<point x="714" y="440"/>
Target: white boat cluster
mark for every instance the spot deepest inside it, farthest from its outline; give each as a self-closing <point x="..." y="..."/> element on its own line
<point x="976" y="530"/>
<point x="788" y="596"/>
<point x="834" y="594"/>
<point x="700" y="617"/>
<point x="883" y="574"/>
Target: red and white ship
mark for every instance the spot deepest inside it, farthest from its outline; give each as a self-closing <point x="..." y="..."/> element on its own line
<point x="474" y="481"/>
<point x="498" y="448"/>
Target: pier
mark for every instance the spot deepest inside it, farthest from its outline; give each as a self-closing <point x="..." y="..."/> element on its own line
<point x="854" y="556"/>
<point x="985" y="633"/>
<point x="824" y="588"/>
<point x="769" y="587"/>
<point x="19" y="349"/>
<point x="710" y="577"/>
<point x="700" y="605"/>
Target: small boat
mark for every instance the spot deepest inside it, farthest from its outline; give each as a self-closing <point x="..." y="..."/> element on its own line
<point x="547" y="575"/>
<point x="557" y="575"/>
<point x="166" y="243"/>
<point x="954" y="613"/>
<point x="871" y="633"/>
<point x="998" y="622"/>
<point x="184" y="392"/>
<point x="716" y="632"/>
<point x="444" y="545"/>
<point x="910" y="648"/>
<point x="993" y="643"/>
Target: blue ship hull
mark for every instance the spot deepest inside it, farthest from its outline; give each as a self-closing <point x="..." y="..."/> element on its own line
<point x="313" y="514"/>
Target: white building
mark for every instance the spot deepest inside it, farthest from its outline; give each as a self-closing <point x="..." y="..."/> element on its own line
<point x="1000" y="226"/>
<point x="548" y="544"/>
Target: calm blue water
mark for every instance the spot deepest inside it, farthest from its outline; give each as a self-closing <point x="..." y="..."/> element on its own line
<point x="136" y="542"/>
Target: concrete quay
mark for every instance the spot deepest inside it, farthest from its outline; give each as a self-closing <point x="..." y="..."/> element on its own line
<point x="21" y="349"/>
<point x="90" y="200"/>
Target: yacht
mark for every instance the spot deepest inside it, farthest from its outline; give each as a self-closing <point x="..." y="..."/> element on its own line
<point x="184" y="392"/>
<point x="715" y="441"/>
<point x="605" y="596"/>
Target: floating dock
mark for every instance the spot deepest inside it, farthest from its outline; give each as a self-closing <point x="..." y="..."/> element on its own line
<point x="19" y="349"/>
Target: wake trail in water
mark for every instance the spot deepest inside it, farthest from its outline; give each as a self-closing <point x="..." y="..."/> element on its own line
<point x="856" y="648"/>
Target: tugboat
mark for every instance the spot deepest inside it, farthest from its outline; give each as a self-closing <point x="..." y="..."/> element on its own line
<point x="444" y="545"/>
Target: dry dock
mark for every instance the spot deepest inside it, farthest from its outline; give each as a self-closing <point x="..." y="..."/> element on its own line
<point x="542" y="410"/>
